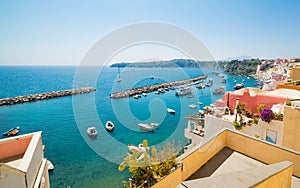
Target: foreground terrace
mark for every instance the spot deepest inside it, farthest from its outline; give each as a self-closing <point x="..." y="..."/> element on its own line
<point x="232" y="159"/>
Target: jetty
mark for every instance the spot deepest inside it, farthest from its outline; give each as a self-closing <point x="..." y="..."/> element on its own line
<point x="44" y="96"/>
<point x="155" y="87"/>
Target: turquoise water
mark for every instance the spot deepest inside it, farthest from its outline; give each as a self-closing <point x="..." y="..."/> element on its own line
<point x="83" y="162"/>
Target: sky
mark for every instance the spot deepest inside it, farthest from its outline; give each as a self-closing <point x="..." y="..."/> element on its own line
<point x="61" y="32"/>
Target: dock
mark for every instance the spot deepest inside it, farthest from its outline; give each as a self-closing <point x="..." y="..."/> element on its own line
<point x="147" y="89"/>
<point x="44" y="96"/>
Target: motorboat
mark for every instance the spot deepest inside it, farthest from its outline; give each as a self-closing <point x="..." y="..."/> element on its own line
<point x="50" y="166"/>
<point x="201" y="86"/>
<point x="144" y="94"/>
<point x="200" y="103"/>
<point x="184" y="91"/>
<point x="209" y="83"/>
<point x="147" y="127"/>
<point x="219" y="91"/>
<point x="193" y="106"/>
<point x="109" y="126"/>
<point x="171" y="111"/>
<point x="239" y="86"/>
<point x="92" y="131"/>
<point x="136" y="96"/>
<point x="161" y="90"/>
<point x="12" y="132"/>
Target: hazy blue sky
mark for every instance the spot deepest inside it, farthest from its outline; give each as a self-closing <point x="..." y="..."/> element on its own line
<point x="61" y="32"/>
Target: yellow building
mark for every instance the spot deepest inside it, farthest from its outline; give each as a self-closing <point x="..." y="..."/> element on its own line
<point x="291" y="120"/>
<point x="233" y="159"/>
<point x="295" y="73"/>
<point x="22" y="162"/>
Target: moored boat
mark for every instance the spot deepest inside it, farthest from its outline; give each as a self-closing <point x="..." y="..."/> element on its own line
<point x="201" y="86"/>
<point x="219" y="91"/>
<point x="193" y="106"/>
<point x="146" y="127"/>
<point x="12" y="132"/>
<point x="92" y="131"/>
<point x="50" y="166"/>
<point x="109" y="126"/>
<point x="239" y="86"/>
<point x="184" y="91"/>
<point x="171" y="111"/>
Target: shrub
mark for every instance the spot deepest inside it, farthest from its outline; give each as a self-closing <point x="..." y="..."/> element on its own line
<point x="261" y="107"/>
<point x="278" y="117"/>
<point x="288" y="103"/>
<point x="266" y="115"/>
<point x="237" y="125"/>
<point x="148" y="166"/>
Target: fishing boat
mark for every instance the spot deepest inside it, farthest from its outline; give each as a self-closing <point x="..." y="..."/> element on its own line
<point x="171" y="111"/>
<point x="12" y="132"/>
<point x="184" y="91"/>
<point x="239" y="86"/>
<point x="147" y="127"/>
<point x="219" y="91"/>
<point x="92" y="131"/>
<point x="193" y="106"/>
<point x="109" y="126"/>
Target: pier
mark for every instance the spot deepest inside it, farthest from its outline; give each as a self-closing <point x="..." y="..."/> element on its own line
<point x="147" y="89"/>
<point x="44" y="96"/>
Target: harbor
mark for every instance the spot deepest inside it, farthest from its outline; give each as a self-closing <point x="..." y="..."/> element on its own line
<point x="147" y="89"/>
<point x="44" y="96"/>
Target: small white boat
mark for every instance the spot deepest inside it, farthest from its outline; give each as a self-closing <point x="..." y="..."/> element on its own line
<point x="193" y="106"/>
<point x="92" y="131"/>
<point x="200" y="103"/>
<point x="154" y="124"/>
<point x="146" y="127"/>
<point x="152" y="77"/>
<point x="50" y="166"/>
<point x="109" y="126"/>
<point x="201" y="112"/>
<point x="144" y="94"/>
<point x="136" y="96"/>
<point x="171" y="111"/>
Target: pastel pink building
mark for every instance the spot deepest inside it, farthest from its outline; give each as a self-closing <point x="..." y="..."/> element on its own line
<point x="253" y="98"/>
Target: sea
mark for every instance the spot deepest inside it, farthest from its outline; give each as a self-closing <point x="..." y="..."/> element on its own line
<point x="81" y="161"/>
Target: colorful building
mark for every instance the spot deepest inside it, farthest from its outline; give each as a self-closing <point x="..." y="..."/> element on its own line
<point x="254" y="97"/>
<point x="22" y="162"/>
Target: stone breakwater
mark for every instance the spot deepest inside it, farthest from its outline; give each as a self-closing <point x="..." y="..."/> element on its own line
<point x="147" y="89"/>
<point x="44" y="96"/>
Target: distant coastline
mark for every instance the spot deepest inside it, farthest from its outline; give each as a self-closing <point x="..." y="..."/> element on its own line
<point x="244" y="67"/>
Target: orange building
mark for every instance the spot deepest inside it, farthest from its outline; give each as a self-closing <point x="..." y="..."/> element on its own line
<point x="254" y="97"/>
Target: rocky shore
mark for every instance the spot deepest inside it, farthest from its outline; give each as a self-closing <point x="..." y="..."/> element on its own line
<point x="44" y="96"/>
<point x="147" y="89"/>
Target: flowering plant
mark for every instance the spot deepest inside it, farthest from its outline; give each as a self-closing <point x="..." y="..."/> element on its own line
<point x="266" y="115"/>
